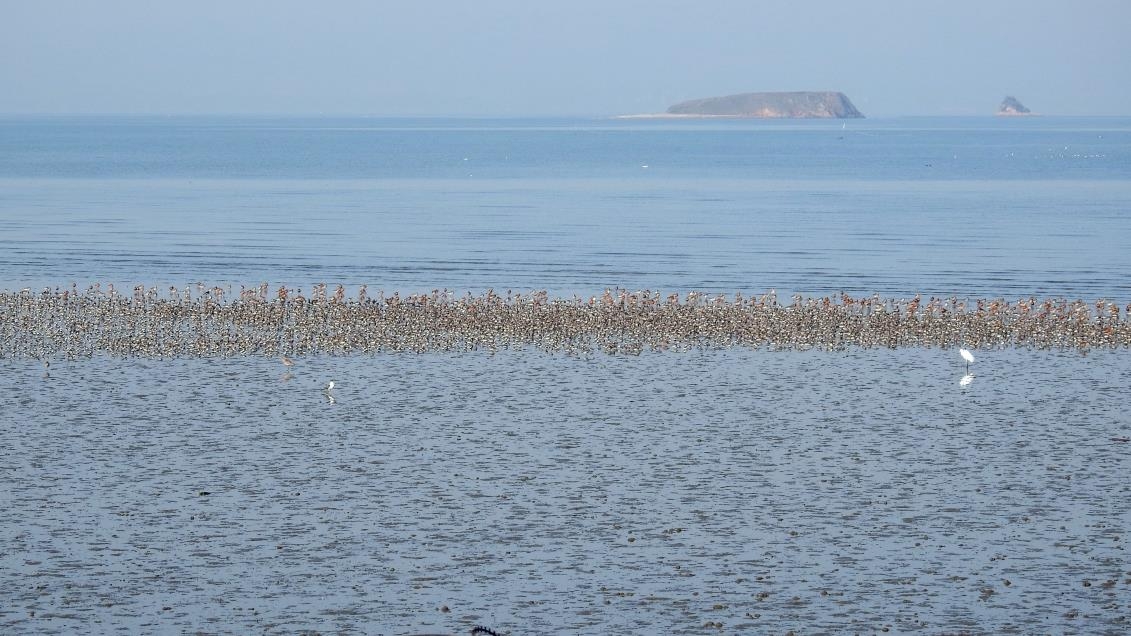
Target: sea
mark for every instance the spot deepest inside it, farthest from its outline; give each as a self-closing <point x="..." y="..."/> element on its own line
<point x="704" y="491"/>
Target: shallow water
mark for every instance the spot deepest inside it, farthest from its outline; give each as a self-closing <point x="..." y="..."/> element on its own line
<point x="825" y="492"/>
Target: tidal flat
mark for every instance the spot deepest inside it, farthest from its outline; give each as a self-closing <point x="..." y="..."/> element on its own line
<point x="722" y="491"/>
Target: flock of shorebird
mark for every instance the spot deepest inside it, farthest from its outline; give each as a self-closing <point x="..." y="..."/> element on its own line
<point x="284" y="323"/>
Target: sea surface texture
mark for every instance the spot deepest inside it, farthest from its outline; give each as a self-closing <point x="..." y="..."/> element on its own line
<point x="689" y="491"/>
<point x="973" y="207"/>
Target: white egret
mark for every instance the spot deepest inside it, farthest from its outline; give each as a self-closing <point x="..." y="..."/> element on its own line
<point x="967" y="356"/>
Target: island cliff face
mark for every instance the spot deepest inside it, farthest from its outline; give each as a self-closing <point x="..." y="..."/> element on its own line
<point x="803" y="104"/>
<point x="1010" y="106"/>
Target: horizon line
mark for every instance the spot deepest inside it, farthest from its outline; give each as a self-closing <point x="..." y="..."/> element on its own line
<point x="627" y="116"/>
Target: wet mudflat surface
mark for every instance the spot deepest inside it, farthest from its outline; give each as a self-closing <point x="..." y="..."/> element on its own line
<point x="721" y="491"/>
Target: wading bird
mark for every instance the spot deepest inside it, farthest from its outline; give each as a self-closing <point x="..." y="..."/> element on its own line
<point x="967" y="356"/>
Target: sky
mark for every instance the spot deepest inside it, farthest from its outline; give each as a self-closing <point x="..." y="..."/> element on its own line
<point x="544" y="58"/>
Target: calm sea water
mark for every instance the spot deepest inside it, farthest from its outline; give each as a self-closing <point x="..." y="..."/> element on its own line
<point x="980" y="207"/>
<point x="712" y="491"/>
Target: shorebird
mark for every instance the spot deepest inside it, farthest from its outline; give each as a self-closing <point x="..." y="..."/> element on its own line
<point x="287" y="361"/>
<point x="475" y="631"/>
<point x="967" y="356"/>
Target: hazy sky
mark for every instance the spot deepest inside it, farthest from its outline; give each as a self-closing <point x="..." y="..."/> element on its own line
<point x="532" y="57"/>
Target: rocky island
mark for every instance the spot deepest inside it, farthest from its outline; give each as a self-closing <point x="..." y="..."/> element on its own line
<point x="800" y="104"/>
<point x="1010" y="107"/>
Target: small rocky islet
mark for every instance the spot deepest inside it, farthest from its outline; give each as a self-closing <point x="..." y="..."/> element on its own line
<point x="762" y="105"/>
<point x="771" y="105"/>
<point x="1011" y="107"/>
